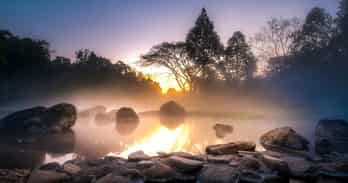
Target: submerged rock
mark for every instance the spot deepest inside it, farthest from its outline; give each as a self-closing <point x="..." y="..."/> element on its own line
<point x="230" y="148"/>
<point x="41" y="120"/>
<point x="221" y="130"/>
<point x="331" y="136"/>
<point x="284" y="139"/>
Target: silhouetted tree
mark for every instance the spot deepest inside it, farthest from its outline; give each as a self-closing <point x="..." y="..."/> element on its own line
<point x="316" y="32"/>
<point x="342" y="24"/>
<point x="203" y="45"/>
<point x="276" y="38"/>
<point x="239" y="63"/>
<point x="174" y="57"/>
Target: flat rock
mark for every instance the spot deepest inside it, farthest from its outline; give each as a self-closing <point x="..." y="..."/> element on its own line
<point x="71" y="168"/>
<point x="159" y="173"/>
<point x="230" y="148"/>
<point x="138" y="156"/>
<point x="183" y="165"/>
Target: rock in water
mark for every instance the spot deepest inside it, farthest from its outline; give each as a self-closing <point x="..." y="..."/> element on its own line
<point x="331" y="136"/>
<point x="40" y="119"/>
<point x="61" y="116"/>
<point x="44" y="176"/>
<point x="172" y="108"/>
<point x="230" y="148"/>
<point x="221" y="130"/>
<point x="284" y="139"/>
<point x="126" y="114"/>
<point x="172" y="115"/>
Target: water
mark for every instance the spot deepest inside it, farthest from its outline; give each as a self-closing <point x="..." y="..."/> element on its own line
<point x="94" y="139"/>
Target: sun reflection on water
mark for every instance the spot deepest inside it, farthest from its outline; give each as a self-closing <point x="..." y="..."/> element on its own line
<point x="162" y="140"/>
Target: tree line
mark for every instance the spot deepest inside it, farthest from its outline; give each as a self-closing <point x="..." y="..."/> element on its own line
<point x="27" y="71"/>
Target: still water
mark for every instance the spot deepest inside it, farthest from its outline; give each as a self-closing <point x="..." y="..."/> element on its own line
<point x="93" y="139"/>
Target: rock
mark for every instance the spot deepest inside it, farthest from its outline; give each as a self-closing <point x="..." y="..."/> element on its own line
<point x="41" y="120"/>
<point x="275" y="163"/>
<point x="71" y="168"/>
<point x="144" y="164"/>
<point x="159" y="173"/>
<point x="54" y="166"/>
<point x="126" y="114"/>
<point x="172" y="108"/>
<point x="331" y="136"/>
<point x="14" y="176"/>
<point x="45" y="176"/>
<point x="250" y="163"/>
<point x="259" y="177"/>
<point x="138" y="156"/>
<point x="172" y="115"/>
<point x="183" y="165"/>
<point x="284" y="139"/>
<point x="220" y="158"/>
<point x="218" y="174"/>
<point x="230" y="148"/>
<point x="221" y="130"/>
<point x="110" y="178"/>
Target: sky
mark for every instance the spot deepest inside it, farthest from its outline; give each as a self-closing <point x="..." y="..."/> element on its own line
<point x="125" y="29"/>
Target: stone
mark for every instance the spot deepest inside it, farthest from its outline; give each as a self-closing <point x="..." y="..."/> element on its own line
<point x="45" y="176"/>
<point x="222" y="130"/>
<point x="183" y="165"/>
<point x="54" y="166"/>
<point x="284" y="139"/>
<point x="220" y="158"/>
<point x="138" y="156"/>
<point x="110" y="178"/>
<point x="172" y="108"/>
<point x="41" y="120"/>
<point x="230" y="148"/>
<point x="126" y="114"/>
<point x="275" y="163"/>
<point x="71" y="168"/>
<point x="218" y="174"/>
<point x="159" y="173"/>
<point x="331" y="136"/>
<point x="144" y="164"/>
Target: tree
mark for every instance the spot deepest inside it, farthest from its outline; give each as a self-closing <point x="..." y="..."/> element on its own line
<point x="240" y="63"/>
<point x="342" y="24"/>
<point x="175" y="58"/>
<point x="316" y="32"/>
<point x="203" y="44"/>
<point x="276" y="39"/>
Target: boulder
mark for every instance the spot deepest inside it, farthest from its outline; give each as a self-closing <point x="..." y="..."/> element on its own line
<point x="331" y="136"/>
<point x="172" y="115"/>
<point x="221" y="130"/>
<point x="230" y="148"/>
<point x="57" y="118"/>
<point x="172" y="108"/>
<point x="126" y="114"/>
<point x="284" y="139"/>
<point x="183" y="165"/>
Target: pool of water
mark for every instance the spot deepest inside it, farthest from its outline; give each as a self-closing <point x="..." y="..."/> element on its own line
<point x="93" y="139"/>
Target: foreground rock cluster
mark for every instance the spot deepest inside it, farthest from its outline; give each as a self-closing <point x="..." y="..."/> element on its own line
<point x="285" y="160"/>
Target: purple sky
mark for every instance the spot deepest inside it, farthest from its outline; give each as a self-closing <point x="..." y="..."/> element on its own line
<point x="121" y="30"/>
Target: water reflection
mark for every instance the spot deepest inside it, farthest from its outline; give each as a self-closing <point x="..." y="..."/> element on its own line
<point x="126" y="127"/>
<point x="172" y="122"/>
<point x="29" y="151"/>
